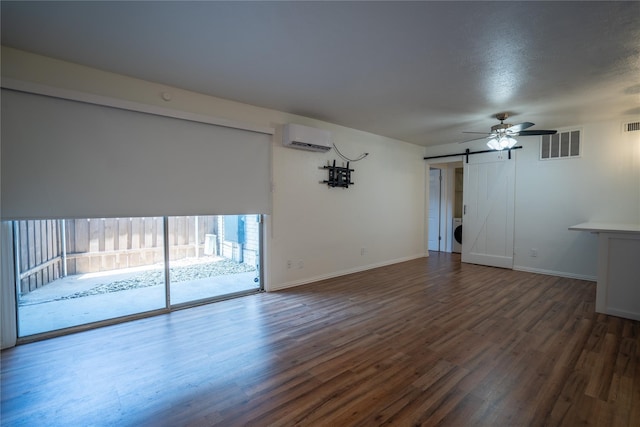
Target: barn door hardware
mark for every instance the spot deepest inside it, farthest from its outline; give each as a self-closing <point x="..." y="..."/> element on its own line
<point x="468" y="153"/>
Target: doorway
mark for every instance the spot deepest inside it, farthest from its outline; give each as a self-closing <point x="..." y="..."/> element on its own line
<point x="435" y="207"/>
<point x="445" y="202"/>
<point x="479" y="196"/>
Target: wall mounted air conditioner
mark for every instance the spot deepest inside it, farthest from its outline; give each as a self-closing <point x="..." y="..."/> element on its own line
<point x="306" y="138"/>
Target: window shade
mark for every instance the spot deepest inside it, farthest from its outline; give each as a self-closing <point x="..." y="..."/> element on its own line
<point x="70" y="159"/>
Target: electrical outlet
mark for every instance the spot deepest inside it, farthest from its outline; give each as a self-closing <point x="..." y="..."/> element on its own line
<point x="363" y="251"/>
<point x="534" y="252"/>
<point x="289" y="264"/>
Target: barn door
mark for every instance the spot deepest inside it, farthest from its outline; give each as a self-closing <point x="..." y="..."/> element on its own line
<point x="488" y="212"/>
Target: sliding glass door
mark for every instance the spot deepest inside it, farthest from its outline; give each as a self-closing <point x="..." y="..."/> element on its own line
<point x="212" y="257"/>
<point x="79" y="271"/>
<point x="71" y="273"/>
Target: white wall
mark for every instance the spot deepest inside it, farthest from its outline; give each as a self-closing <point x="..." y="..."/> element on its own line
<point x="319" y="228"/>
<point x="601" y="185"/>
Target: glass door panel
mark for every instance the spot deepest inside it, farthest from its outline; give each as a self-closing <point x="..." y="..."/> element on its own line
<point x="213" y="256"/>
<point x="79" y="271"/>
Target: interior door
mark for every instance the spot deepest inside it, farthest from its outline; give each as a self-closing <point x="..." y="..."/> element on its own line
<point x="488" y="211"/>
<point x="435" y="180"/>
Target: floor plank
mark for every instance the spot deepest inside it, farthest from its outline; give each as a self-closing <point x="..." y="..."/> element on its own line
<point x="426" y="342"/>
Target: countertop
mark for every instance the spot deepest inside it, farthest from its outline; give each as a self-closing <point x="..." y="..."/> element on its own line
<point x="607" y="227"/>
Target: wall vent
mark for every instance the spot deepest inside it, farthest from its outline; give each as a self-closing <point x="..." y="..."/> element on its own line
<point x="560" y="145"/>
<point x="631" y="127"/>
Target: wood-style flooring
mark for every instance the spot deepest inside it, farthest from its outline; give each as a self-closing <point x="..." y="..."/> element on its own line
<point x="425" y="342"/>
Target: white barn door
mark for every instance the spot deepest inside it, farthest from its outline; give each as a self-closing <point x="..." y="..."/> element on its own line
<point x="488" y="212"/>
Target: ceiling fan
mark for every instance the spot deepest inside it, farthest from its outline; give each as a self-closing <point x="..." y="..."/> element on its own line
<point x="502" y="135"/>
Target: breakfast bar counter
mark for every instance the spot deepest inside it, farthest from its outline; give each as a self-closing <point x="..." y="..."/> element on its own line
<point x="618" y="287"/>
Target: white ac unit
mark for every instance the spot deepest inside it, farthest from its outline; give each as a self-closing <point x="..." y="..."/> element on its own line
<point x="306" y="138"/>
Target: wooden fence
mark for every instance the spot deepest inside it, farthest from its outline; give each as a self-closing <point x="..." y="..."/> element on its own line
<point x="39" y="253"/>
<point x="103" y="244"/>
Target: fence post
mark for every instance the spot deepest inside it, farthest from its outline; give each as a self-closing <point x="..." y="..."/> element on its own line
<point x="63" y="239"/>
<point x="167" y="267"/>
<point x="196" y="239"/>
<point x="16" y="254"/>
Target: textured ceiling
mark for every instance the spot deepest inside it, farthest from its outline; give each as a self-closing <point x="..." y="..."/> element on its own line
<point x="421" y="72"/>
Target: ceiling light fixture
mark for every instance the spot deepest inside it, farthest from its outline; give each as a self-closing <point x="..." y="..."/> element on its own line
<point x="501" y="141"/>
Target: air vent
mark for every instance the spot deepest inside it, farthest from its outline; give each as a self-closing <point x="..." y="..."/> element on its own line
<point x="631" y="127"/>
<point x="560" y="145"/>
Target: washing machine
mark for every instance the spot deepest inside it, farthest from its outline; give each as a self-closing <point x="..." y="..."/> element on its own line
<point x="457" y="235"/>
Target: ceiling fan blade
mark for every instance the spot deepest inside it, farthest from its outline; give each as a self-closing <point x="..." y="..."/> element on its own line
<point x="519" y="127"/>
<point x="474" y="139"/>
<point x="537" y="132"/>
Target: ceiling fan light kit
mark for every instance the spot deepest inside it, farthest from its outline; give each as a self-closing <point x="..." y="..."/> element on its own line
<point x="502" y="142"/>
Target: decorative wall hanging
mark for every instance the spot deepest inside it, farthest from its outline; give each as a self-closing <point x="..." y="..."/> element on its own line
<point x="339" y="176"/>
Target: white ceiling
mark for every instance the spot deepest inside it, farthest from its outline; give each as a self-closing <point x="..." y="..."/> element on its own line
<point x="421" y="72"/>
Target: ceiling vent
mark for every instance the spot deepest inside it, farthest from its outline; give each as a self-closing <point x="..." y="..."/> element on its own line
<point x="306" y="138"/>
<point x="631" y="126"/>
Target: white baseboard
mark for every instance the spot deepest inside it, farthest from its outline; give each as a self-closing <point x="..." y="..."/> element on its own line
<point x="344" y="272"/>
<point x="556" y="273"/>
<point x="412" y="257"/>
<point x="623" y="313"/>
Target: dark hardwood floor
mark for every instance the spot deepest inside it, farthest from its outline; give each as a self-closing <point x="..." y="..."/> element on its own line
<point x="426" y="342"/>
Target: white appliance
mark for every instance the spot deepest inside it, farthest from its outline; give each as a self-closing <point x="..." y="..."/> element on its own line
<point x="306" y="138"/>
<point x="457" y="235"/>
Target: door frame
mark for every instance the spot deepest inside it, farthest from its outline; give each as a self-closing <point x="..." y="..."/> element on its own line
<point x="447" y="195"/>
<point x="439" y="210"/>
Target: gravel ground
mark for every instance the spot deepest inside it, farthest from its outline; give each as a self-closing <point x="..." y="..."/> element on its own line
<point x="182" y="271"/>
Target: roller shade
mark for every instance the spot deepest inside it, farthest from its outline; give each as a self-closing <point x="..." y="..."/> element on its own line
<point x="70" y="159"/>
